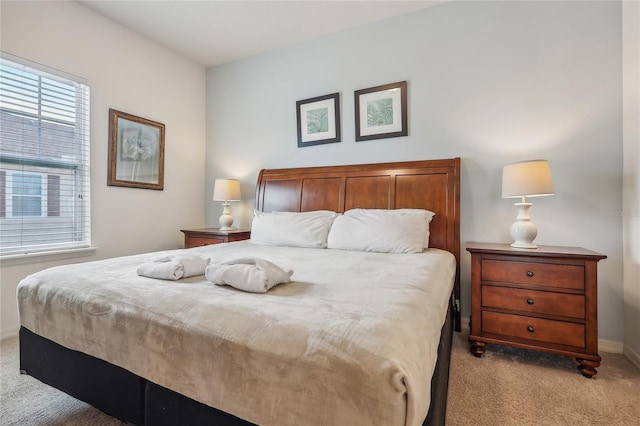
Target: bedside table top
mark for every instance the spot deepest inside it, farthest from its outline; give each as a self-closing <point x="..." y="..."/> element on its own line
<point x="541" y="251"/>
<point x="214" y="231"/>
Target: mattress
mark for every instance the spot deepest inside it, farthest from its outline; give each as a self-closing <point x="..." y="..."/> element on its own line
<point x="351" y="340"/>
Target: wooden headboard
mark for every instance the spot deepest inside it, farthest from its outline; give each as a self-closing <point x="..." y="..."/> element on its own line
<point x="432" y="184"/>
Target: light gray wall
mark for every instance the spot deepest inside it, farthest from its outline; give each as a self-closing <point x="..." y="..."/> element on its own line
<point x="631" y="185"/>
<point x="491" y="82"/>
<point x="131" y="74"/>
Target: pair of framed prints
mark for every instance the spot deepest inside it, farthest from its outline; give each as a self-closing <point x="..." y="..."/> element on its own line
<point x="380" y="112"/>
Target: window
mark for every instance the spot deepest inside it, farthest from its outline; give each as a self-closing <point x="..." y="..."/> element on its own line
<point x="27" y="194"/>
<point x="44" y="159"/>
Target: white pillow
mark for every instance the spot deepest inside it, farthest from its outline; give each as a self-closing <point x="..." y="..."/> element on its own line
<point x="427" y="214"/>
<point x="370" y="230"/>
<point x="292" y="229"/>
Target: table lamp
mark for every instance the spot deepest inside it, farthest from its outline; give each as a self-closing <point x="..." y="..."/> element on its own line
<point x="522" y="180"/>
<point x="226" y="190"/>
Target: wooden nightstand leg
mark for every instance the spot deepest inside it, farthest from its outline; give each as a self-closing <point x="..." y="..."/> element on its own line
<point x="588" y="367"/>
<point x="477" y="348"/>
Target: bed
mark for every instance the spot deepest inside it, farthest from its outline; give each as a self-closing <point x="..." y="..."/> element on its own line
<point x="321" y="349"/>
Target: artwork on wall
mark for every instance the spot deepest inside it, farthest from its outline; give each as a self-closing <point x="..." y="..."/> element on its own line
<point x="381" y="111"/>
<point x="318" y="120"/>
<point x="136" y="151"/>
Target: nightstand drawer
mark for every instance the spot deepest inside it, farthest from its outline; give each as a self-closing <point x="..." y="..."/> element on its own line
<point x="540" y="302"/>
<point x="201" y="241"/>
<point x="542" y="274"/>
<point x="542" y="330"/>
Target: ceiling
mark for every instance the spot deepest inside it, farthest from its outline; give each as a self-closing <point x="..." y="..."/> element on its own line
<point x="214" y="32"/>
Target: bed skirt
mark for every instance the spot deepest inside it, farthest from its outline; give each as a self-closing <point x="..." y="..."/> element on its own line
<point x="130" y="398"/>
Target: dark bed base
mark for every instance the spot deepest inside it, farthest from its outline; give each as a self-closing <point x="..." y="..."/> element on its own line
<point x="135" y="400"/>
<point x="108" y="387"/>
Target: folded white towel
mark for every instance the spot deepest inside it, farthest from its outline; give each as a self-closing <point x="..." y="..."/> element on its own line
<point x="193" y="265"/>
<point x="162" y="270"/>
<point x="173" y="267"/>
<point x="248" y="274"/>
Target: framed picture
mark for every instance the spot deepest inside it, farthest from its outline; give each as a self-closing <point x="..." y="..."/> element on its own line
<point x="319" y="120"/>
<point x="136" y="151"/>
<point x="381" y="111"/>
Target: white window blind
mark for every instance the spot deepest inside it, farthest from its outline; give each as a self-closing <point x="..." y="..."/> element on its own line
<point x="44" y="159"/>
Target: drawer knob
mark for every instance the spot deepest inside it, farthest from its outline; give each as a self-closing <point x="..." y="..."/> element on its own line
<point x="529" y="273"/>
<point x="530" y="329"/>
<point x="530" y="301"/>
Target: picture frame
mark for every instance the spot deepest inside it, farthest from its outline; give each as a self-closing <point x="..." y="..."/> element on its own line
<point x="136" y="151"/>
<point x="318" y="120"/>
<point x="381" y="111"/>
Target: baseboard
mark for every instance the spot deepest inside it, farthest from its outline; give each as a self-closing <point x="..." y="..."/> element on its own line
<point x="8" y="333"/>
<point x="464" y="323"/>
<point x="632" y="355"/>
<point x="610" y="346"/>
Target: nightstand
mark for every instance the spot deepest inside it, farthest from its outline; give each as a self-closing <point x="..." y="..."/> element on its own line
<point x="543" y="299"/>
<point x="206" y="236"/>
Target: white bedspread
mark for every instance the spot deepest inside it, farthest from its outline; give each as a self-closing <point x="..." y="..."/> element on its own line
<point x="351" y="340"/>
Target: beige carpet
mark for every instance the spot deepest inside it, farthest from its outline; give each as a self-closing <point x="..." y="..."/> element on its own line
<point x="510" y="386"/>
<point x="504" y="387"/>
<point x="25" y="401"/>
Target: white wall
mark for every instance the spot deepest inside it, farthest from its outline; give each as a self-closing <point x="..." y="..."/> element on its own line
<point x="631" y="184"/>
<point x="491" y="82"/>
<point x="131" y="74"/>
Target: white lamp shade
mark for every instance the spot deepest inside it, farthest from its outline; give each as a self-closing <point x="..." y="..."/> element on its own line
<point x="527" y="179"/>
<point x="226" y="190"/>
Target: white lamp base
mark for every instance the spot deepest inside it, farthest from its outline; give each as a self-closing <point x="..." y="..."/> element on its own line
<point x="226" y="220"/>
<point x="523" y="230"/>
